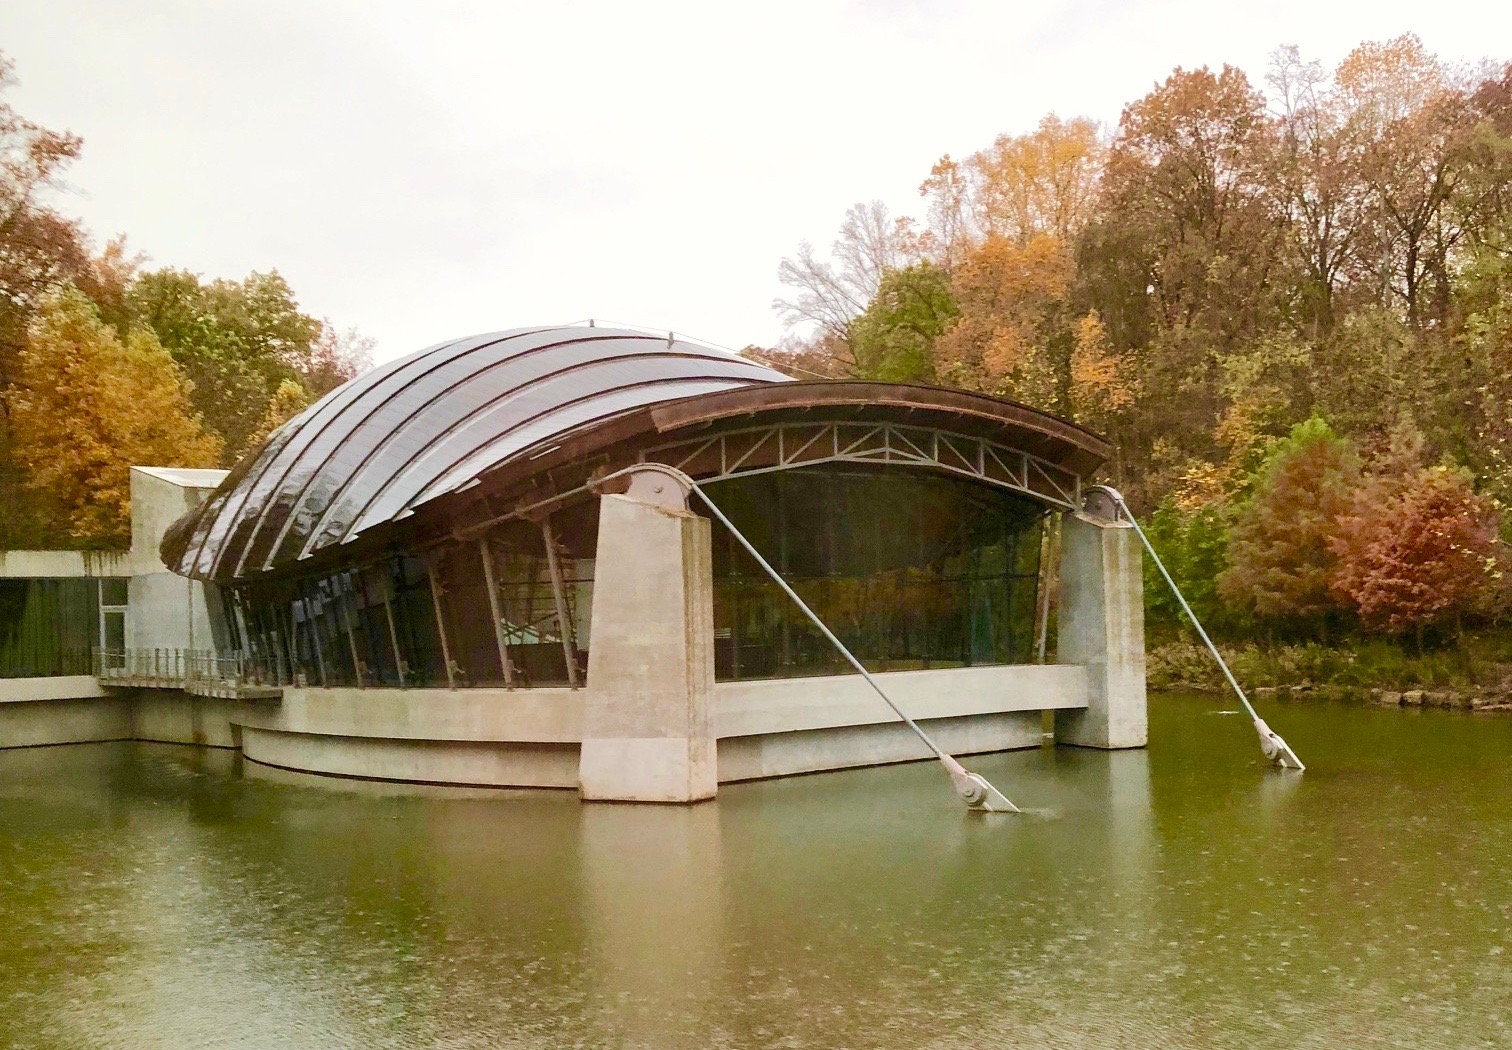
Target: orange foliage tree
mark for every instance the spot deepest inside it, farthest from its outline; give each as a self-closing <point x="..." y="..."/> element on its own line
<point x="1007" y="294"/>
<point x="1416" y="551"/>
<point x="86" y="406"/>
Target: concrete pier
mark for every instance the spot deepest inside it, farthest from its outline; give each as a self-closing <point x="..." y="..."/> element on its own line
<point x="1102" y="629"/>
<point x="648" y="733"/>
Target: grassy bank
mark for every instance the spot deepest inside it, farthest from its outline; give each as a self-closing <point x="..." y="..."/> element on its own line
<point x="1474" y="673"/>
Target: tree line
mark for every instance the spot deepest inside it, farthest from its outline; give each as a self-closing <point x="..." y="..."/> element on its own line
<point x="1288" y="305"/>
<point x="106" y="362"/>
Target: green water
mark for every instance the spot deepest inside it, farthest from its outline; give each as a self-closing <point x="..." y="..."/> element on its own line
<point x="155" y="896"/>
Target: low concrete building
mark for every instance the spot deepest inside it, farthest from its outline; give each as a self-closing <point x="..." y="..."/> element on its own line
<point x="467" y="567"/>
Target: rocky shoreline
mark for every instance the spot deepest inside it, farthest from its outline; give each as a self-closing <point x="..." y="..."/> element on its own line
<point x="1465" y="698"/>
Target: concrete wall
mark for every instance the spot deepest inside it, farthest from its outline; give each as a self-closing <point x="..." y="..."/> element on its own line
<point x="842" y="747"/>
<point x="167" y="716"/>
<point x="62" y="687"/>
<point x="69" y="710"/>
<point x="418" y="761"/>
<point x="164" y="611"/>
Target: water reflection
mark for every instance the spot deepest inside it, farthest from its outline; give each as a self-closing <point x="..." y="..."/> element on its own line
<point x="1182" y="897"/>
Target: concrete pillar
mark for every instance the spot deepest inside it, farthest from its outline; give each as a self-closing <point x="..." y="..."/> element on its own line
<point x="1102" y="628"/>
<point x="647" y="731"/>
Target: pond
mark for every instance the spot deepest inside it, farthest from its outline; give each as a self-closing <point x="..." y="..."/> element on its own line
<point x="1187" y="896"/>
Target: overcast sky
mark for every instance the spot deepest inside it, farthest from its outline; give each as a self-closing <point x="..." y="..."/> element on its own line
<point x="424" y="171"/>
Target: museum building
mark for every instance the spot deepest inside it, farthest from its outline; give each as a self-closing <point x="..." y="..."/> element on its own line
<point x="467" y="566"/>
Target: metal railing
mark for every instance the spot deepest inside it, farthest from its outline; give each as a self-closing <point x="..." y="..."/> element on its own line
<point x="200" y="671"/>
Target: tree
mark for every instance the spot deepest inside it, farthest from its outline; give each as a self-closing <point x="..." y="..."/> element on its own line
<point x="1419" y="129"/>
<point x="1102" y="383"/>
<point x="949" y="195"/>
<point x="335" y="357"/>
<point x="1415" y="551"/>
<point x="87" y="405"/>
<point x="1044" y="182"/>
<point x="38" y="246"/>
<point x="894" y="339"/>
<point x="1192" y="543"/>
<point x="236" y="341"/>
<point x="1185" y="170"/>
<point x="1281" y="564"/>
<point x="288" y="401"/>
<point x="1315" y="172"/>
<point x="828" y="294"/>
<point x="1187" y="259"/>
<point x="1009" y="294"/>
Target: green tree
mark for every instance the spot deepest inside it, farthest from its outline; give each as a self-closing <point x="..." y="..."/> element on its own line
<point x="893" y="340"/>
<point x="87" y="405"/>
<point x="1193" y="545"/>
<point x="236" y="341"/>
<point x="1281" y="563"/>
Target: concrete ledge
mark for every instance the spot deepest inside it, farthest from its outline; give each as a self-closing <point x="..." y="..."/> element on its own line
<point x="80" y="721"/>
<point x="50" y="565"/>
<point x="66" y="687"/>
<point x="786" y="704"/>
<point x="541" y="716"/>
<point x="784" y="754"/>
<point x="435" y="762"/>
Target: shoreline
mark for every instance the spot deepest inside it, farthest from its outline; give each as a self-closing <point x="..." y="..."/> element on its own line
<point x="1462" y="698"/>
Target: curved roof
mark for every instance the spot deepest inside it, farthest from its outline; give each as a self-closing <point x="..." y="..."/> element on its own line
<point x="372" y="450"/>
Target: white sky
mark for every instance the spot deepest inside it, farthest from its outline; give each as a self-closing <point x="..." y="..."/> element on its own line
<point x="425" y="171"/>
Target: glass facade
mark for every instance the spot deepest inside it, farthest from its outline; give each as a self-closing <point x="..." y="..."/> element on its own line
<point x="910" y="569"/>
<point x="382" y="624"/>
<point x="52" y="626"/>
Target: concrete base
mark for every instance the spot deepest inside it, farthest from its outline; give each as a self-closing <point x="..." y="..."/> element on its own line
<point x="533" y="738"/>
<point x="1102" y="629"/>
<point x="652" y="769"/>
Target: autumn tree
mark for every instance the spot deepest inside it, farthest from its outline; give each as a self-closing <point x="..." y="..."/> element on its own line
<point x="335" y="356"/>
<point x="288" y="401"/>
<point x="1009" y="295"/>
<point x="1186" y="261"/>
<point x="87" y="405"/>
<point x="1416" y="551"/>
<point x="38" y="245"/>
<point x="1315" y="173"/>
<point x="1045" y="182"/>
<point x="1399" y="95"/>
<point x="1103" y="383"/>
<point x="1281" y="564"/>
